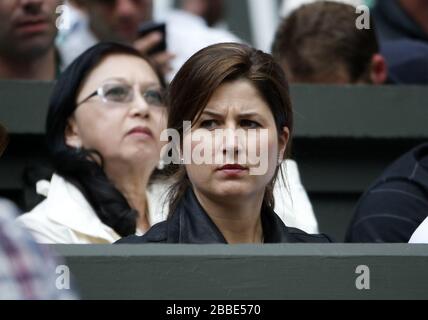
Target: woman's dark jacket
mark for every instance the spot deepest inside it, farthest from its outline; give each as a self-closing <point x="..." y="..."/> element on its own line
<point x="190" y="224"/>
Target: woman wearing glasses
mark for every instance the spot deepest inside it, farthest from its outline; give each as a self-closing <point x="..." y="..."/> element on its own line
<point x="103" y="126"/>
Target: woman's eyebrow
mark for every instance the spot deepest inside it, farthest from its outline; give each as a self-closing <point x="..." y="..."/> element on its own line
<point x="116" y="79"/>
<point x="212" y="113"/>
<point x="142" y="84"/>
<point x="249" y="114"/>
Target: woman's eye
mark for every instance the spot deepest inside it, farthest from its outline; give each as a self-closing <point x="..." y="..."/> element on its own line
<point x="250" y="124"/>
<point x="209" y="124"/>
<point x="117" y="93"/>
<point x="154" y="97"/>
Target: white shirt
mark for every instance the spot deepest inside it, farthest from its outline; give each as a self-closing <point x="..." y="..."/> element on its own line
<point x="292" y="203"/>
<point x="421" y="233"/>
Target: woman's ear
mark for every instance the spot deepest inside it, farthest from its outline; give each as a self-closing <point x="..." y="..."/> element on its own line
<point x="72" y="136"/>
<point x="283" y="139"/>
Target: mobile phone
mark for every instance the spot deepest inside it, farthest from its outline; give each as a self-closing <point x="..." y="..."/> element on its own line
<point x="150" y="27"/>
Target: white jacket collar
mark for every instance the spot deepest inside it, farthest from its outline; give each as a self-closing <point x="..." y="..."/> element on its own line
<point x="68" y="207"/>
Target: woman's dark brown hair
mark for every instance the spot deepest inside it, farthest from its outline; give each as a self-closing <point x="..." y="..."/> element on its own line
<point x="3" y="139"/>
<point x="204" y="73"/>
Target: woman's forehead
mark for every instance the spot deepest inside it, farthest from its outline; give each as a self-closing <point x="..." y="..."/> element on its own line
<point x="128" y="68"/>
<point x="131" y="68"/>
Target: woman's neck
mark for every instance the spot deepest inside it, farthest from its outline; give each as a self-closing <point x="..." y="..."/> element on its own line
<point x="133" y="185"/>
<point x="239" y="220"/>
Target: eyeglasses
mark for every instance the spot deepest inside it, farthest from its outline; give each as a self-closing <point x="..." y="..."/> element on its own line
<point x="123" y="93"/>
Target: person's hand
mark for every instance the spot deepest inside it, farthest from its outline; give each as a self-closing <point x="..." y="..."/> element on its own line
<point x="163" y="59"/>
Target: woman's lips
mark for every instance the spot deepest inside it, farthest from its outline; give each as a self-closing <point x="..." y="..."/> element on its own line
<point x="141" y="132"/>
<point x="233" y="170"/>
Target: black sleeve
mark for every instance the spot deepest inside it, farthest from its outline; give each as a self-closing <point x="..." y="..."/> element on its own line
<point x="388" y="213"/>
<point x="156" y="234"/>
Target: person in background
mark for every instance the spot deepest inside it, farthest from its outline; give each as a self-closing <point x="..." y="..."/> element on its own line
<point x="27" y="36"/>
<point x="103" y="130"/>
<point x="288" y="6"/>
<point x="402" y="29"/>
<point x="395" y="204"/>
<point x="401" y="20"/>
<point x="228" y="87"/>
<point x="407" y="61"/>
<point x="212" y="11"/>
<point x="97" y="21"/>
<point x="319" y="43"/>
<point x="27" y="271"/>
<point x="120" y="20"/>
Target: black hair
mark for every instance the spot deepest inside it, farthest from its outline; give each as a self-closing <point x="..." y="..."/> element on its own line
<point x="78" y="166"/>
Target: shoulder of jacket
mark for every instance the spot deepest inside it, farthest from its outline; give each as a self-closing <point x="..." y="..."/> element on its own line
<point x="306" y="237"/>
<point x="156" y="234"/>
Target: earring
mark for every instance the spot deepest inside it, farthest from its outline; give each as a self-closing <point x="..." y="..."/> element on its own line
<point x="161" y="165"/>
<point x="280" y="160"/>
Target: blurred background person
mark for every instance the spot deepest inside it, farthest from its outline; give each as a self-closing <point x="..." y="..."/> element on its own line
<point x="27" y="35"/>
<point x="395" y="204"/>
<point x="103" y="130"/>
<point x="407" y="61"/>
<point x="212" y="11"/>
<point x="402" y="29"/>
<point x="27" y="271"/>
<point x="112" y="20"/>
<point x="288" y="6"/>
<point x="401" y="19"/>
<point x="320" y="43"/>
<point x="194" y="26"/>
<point x="120" y="20"/>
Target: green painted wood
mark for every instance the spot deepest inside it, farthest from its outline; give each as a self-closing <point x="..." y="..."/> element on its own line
<point x="361" y="111"/>
<point x="386" y="112"/>
<point x="198" y="272"/>
<point x="23" y="105"/>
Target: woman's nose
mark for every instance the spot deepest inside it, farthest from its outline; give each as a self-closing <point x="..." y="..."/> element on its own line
<point x="139" y="106"/>
<point x="233" y="140"/>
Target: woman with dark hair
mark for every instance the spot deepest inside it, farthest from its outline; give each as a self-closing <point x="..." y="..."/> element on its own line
<point x="105" y="117"/>
<point x="229" y="88"/>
